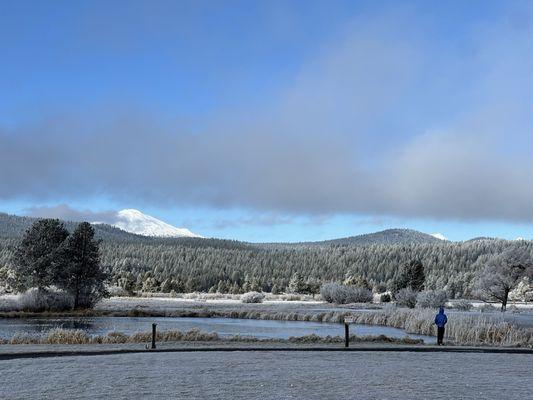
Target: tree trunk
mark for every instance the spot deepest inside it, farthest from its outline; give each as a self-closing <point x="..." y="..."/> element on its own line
<point x="504" y="301"/>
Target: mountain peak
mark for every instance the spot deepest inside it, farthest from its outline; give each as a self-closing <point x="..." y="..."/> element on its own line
<point x="134" y="221"/>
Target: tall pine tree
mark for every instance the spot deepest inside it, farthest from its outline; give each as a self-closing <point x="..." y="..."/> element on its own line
<point x="82" y="275"/>
<point x="37" y="258"/>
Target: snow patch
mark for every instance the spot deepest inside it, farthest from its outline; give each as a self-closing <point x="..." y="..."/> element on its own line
<point x="439" y="236"/>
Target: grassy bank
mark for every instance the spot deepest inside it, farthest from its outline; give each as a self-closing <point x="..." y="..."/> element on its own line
<point x="76" y="336"/>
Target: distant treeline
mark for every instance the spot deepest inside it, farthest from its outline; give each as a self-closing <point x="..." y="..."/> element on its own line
<point x="150" y="264"/>
<point x="160" y="265"/>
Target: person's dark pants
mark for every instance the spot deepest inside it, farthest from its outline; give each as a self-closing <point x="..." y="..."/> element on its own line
<point x="440" y="334"/>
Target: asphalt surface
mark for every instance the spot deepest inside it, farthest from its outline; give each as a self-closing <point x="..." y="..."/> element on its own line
<point x="271" y="375"/>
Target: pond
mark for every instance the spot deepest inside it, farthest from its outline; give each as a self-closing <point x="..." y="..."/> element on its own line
<point x="264" y="329"/>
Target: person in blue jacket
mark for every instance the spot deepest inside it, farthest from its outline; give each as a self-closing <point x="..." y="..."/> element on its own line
<point x="440" y="321"/>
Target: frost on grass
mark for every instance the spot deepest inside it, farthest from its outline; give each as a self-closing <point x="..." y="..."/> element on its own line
<point x="78" y="336"/>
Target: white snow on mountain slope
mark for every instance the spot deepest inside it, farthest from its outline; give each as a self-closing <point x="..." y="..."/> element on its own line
<point x="134" y="221"/>
<point x="439" y="236"/>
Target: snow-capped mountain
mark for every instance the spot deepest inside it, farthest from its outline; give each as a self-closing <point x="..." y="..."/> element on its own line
<point x="134" y="221"/>
<point x="439" y="236"/>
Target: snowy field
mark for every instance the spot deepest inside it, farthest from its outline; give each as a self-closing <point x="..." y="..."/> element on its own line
<point x="264" y="375"/>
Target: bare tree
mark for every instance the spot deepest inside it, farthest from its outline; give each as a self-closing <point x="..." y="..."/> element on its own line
<point x="503" y="273"/>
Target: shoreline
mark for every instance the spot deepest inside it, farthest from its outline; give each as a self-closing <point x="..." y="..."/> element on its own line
<point x="46" y="351"/>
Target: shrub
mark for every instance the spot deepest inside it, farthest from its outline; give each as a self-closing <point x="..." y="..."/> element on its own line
<point x="359" y="295"/>
<point x="341" y="294"/>
<point x="463" y="305"/>
<point x="36" y="300"/>
<point x="431" y="299"/>
<point x="117" y="291"/>
<point x="252" y="297"/>
<point x="406" y="298"/>
<point x="385" y="298"/>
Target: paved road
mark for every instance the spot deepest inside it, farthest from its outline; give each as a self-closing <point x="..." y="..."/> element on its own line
<point x="271" y="375"/>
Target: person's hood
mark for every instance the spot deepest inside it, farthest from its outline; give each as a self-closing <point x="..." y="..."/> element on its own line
<point x="441" y="310"/>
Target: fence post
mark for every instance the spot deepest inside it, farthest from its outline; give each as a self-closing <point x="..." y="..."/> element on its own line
<point x="153" y="335"/>
<point x="346" y="334"/>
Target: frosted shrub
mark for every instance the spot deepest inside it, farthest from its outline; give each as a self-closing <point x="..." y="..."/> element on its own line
<point x="341" y="294"/>
<point x="36" y="300"/>
<point x="359" y="295"/>
<point x="117" y="291"/>
<point x="252" y="297"/>
<point x="332" y="292"/>
<point x="431" y="299"/>
<point x="463" y="305"/>
<point x="406" y="298"/>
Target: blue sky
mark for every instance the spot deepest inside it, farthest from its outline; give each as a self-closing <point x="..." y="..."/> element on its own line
<point x="273" y="120"/>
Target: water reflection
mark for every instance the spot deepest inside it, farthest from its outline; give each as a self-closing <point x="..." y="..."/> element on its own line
<point x="223" y="326"/>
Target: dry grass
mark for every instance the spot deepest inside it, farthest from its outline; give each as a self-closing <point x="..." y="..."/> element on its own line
<point x="461" y="329"/>
<point x="76" y="336"/>
<point x="354" y="339"/>
<point x="65" y="336"/>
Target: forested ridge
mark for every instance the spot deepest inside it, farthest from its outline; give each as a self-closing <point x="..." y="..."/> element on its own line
<point x="447" y="265"/>
<point x="191" y="264"/>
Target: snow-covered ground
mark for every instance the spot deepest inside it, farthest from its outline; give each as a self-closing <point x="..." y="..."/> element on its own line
<point x="134" y="221"/>
<point x="271" y="375"/>
<point x="169" y="304"/>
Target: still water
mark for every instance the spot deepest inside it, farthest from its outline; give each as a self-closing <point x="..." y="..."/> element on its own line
<point x="223" y="326"/>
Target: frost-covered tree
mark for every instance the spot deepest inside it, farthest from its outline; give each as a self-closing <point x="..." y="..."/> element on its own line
<point x="127" y="282"/>
<point x="81" y="273"/>
<point x="412" y="276"/>
<point x="503" y="273"/>
<point x="406" y="297"/>
<point x="431" y="299"/>
<point x="523" y="291"/>
<point x="357" y="280"/>
<point x="37" y="260"/>
<point x="297" y="284"/>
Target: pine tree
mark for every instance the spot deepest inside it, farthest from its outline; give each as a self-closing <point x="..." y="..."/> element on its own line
<point x="36" y="259"/>
<point x="81" y="274"/>
<point x="127" y="282"/>
<point x="296" y="284"/>
<point x="412" y="276"/>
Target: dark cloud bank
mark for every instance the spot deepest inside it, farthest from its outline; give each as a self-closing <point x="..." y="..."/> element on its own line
<point x="338" y="141"/>
<point x="67" y="213"/>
